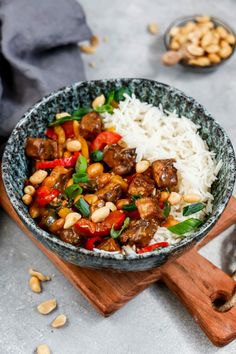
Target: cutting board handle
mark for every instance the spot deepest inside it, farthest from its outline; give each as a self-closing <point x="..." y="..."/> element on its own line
<point x="198" y="283"/>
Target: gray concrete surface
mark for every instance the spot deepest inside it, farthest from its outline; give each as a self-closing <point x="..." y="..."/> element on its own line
<point x="154" y="322"/>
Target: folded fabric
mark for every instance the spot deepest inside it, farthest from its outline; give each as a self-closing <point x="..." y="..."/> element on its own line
<point x="38" y="53"/>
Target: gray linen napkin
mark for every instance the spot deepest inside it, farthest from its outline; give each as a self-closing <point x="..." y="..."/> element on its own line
<point x="38" y="52"/>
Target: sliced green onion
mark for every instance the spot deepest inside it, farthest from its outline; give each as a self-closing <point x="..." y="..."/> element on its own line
<point x="119" y="94"/>
<point x="110" y="97"/>
<point x="81" y="164"/>
<point x="73" y="191"/>
<point x="80" y="177"/>
<point x="166" y="210"/>
<point x="129" y="207"/>
<point x="76" y="115"/>
<point x="116" y="233"/>
<point x="193" y="208"/>
<point x="83" y="207"/>
<point x="185" y="226"/>
<point x="97" y="155"/>
<point x="105" y="108"/>
<point x="136" y="196"/>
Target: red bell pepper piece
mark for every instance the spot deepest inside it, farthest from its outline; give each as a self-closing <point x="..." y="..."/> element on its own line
<point x="65" y="162"/>
<point x="152" y="247"/>
<point x="50" y="133"/>
<point x="115" y="219"/>
<point x="42" y="201"/>
<point x="133" y="214"/>
<point x="103" y="139"/>
<point x="86" y="227"/>
<point x="161" y="205"/>
<point x="89" y="244"/>
<point x="43" y="191"/>
<point x="68" y="129"/>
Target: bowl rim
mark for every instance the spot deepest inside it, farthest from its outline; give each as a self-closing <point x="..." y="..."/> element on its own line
<point x="51" y="238"/>
<point x="181" y="20"/>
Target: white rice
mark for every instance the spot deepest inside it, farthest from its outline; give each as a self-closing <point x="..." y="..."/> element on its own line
<point x="161" y="135"/>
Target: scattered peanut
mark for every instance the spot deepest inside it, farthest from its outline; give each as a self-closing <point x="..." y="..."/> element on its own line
<point x="195" y="50"/>
<point x="121" y="202"/>
<point x="192" y="198"/>
<point x="174" y="45"/>
<point x="100" y="214"/>
<point x="39" y="275"/>
<point x="207" y="39"/>
<point x="59" y="321"/>
<point x="98" y="101"/>
<point x="230" y="39"/>
<point x="38" y="177"/>
<point x="164" y="196"/>
<point x="222" y="32"/>
<point x="214" y="58"/>
<point x="153" y="28"/>
<point x="62" y="115"/>
<point x="225" y="52"/>
<point x="35" y="285"/>
<point x="142" y="166"/>
<point x="95" y="169"/>
<point x="73" y="145"/>
<point x="27" y="199"/>
<point x="43" y="349"/>
<point x="174" y="198"/>
<point x="47" y="306"/>
<point x="213" y="48"/>
<point x="91" y="198"/>
<point x="202" y="19"/>
<point x="29" y="190"/>
<point x="111" y="206"/>
<point x="71" y="219"/>
<point x="92" y="47"/>
<point x="200" y="61"/>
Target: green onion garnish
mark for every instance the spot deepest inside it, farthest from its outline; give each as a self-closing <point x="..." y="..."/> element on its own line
<point x="193" y="208"/>
<point x="80" y="177"/>
<point x="81" y="164"/>
<point x="83" y="207"/>
<point x="185" y="226"/>
<point x="136" y="196"/>
<point x="129" y="207"/>
<point x="73" y="191"/>
<point x="97" y="155"/>
<point x="76" y="115"/>
<point x="116" y="233"/>
<point x="119" y="94"/>
<point x="166" y="210"/>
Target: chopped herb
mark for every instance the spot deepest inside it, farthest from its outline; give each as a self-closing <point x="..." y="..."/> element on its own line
<point x="185" y="226"/>
<point x="129" y="207"/>
<point x="119" y="94"/>
<point x="83" y="207"/>
<point x="80" y="177"/>
<point x="107" y="107"/>
<point x="136" y="196"/>
<point x="97" y="155"/>
<point x="193" y="208"/>
<point x="73" y="191"/>
<point x="166" y="210"/>
<point x="81" y="164"/>
<point x="116" y="233"/>
<point x="76" y="115"/>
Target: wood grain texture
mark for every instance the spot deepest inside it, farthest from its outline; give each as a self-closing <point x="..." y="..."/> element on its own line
<point x="194" y="280"/>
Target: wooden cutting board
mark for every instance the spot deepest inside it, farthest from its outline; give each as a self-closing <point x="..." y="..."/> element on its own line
<point x="192" y="278"/>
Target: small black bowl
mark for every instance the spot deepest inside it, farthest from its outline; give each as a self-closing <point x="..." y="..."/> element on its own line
<point x="182" y="21"/>
<point x="15" y="165"/>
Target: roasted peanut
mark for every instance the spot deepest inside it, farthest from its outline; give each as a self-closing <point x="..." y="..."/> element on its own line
<point x="174" y="31"/>
<point x="206" y="39"/>
<point x="119" y="180"/>
<point x="174" y="198"/>
<point x="214" y="58"/>
<point x="153" y="28"/>
<point x="47" y="306"/>
<point x="98" y="101"/>
<point x="142" y="166"/>
<point x="71" y="219"/>
<point x="203" y="19"/>
<point x="192" y="198"/>
<point x="34" y="211"/>
<point x="39" y="275"/>
<point x="195" y="50"/>
<point x="73" y="145"/>
<point x="111" y="206"/>
<point x="29" y="190"/>
<point x="174" y="45"/>
<point x="57" y="225"/>
<point x="100" y="214"/>
<point x="103" y="179"/>
<point x="121" y="202"/>
<point x="201" y="61"/>
<point x="27" y="199"/>
<point x="43" y="349"/>
<point x="222" y="32"/>
<point x="230" y="39"/>
<point x="38" y="177"/>
<point x="164" y="196"/>
<point x="225" y="52"/>
<point x="95" y="169"/>
<point x="59" y="321"/>
<point x="212" y="48"/>
<point x="35" y="285"/>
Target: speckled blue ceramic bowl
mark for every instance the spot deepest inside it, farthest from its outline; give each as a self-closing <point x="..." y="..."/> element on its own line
<point x="34" y="122"/>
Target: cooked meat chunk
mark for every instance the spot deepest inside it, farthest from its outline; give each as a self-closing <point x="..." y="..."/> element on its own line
<point x="164" y="173"/>
<point x="90" y="125"/>
<point x="70" y="236"/>
<point x="141" y="184"/>
<point x="121" y="160"/>
<point x="139" y="233"/>
<point x="41" y="149"/>
<point x="149" y="208"/>
<point x="110" y="193"/>
<point x="109" y="245"/>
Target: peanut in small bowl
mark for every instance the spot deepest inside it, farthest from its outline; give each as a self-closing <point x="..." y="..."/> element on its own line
<point x="200" y="43"/>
